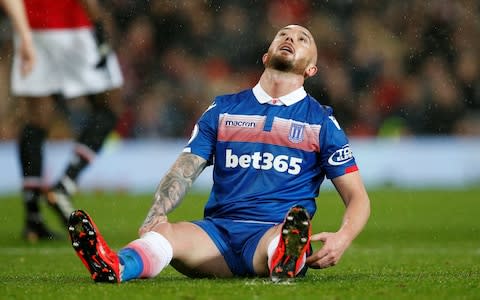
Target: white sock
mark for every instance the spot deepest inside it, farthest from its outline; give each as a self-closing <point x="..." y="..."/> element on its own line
<point x="156" y="253"/>
<point x="271" y="249"/>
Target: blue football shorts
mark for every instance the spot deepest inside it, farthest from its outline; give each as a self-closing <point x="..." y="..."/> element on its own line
<point x="236" y="240"/>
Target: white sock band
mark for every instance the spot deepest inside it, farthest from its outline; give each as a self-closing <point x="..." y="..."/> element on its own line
<point x="271" y="249"/>
<point x="156" y="252"/>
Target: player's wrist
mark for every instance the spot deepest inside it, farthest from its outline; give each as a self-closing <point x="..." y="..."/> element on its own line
<point x="26" y="39"/>
<point x="346" y="234"/>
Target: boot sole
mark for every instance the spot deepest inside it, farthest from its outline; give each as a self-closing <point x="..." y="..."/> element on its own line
<point x="296" y="236"/>
<point x="84" y="240"/>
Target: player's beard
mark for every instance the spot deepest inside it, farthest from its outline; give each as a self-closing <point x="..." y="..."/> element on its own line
<point x="283" y="64"/>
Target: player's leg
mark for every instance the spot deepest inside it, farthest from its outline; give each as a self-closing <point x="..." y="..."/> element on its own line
<point x="38" y="113"/>
<point x="195" y="254"/>
<point x="191" y="252"/>
<point x="100" y="124"/>
<point x="282" y="251"/>
<point x="187" y="247"/>
<point x="101" y="86"/>
<point x="36" y="116"/>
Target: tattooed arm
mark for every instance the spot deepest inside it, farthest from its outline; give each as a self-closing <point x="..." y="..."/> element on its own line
<point x="172" y="189"/>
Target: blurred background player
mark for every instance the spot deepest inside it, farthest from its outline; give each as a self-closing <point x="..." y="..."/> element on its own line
<point x="73" y="60"/>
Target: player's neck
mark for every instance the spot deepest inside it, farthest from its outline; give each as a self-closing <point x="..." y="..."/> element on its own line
<point x="277" y="84"/>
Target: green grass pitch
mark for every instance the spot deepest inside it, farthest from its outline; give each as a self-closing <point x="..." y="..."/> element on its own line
<point x="418" y="244"/>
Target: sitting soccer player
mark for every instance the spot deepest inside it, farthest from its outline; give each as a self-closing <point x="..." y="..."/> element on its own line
<point x="271" y="147"/>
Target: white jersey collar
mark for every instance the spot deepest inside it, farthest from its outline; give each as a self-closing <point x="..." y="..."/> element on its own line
<point x="289" y="99"/>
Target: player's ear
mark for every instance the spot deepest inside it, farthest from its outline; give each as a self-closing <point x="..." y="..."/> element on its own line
<point x="310" y="71"/>
<point x="264" y="58"/>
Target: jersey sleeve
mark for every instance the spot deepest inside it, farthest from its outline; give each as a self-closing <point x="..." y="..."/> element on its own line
<point x="336" y="157"/>
<point x="204" y="134"/>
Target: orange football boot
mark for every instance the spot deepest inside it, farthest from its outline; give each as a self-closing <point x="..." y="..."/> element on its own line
<point x="102" y="263"/>
<point x="293" y="245"/>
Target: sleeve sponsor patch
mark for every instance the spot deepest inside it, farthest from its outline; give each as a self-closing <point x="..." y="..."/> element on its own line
<point x="341" y="156"/>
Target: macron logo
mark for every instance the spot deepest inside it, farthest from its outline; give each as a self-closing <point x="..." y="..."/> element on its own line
<point x="245" y="124"/>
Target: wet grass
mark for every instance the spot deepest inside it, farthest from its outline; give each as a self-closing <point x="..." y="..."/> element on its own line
<point x="418" y="244"/>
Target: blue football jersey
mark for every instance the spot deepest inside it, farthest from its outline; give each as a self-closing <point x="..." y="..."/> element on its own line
<point x="267" y="158"/>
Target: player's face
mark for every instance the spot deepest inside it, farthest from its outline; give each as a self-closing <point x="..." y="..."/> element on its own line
<point x="293" y="50"/>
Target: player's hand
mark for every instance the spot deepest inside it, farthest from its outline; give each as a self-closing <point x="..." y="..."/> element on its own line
<point x="27" y="57"/>
<point x="103" y="45"/>
<point x="334" y="245"/>
<point x="150" y="224"/>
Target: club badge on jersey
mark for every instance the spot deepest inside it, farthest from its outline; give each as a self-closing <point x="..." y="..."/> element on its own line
<point x="296" y="133"/>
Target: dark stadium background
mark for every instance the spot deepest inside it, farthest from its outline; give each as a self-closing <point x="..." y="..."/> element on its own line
<point x="403" y="78"/>
<point x="387" y="67"/>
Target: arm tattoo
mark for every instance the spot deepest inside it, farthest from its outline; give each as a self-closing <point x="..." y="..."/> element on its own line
<point x="175" y="184"/>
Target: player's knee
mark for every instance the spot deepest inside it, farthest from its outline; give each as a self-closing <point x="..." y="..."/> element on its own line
<point x="104" y="115"/>
<point x="107" y="101"/>
<point x="39" y="112"/>
<point x="165" y="229"/>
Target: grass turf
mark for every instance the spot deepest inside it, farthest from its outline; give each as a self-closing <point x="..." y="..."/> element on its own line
<point x="418" y="244"/>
